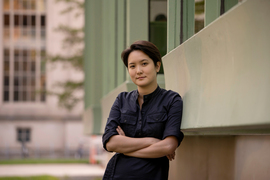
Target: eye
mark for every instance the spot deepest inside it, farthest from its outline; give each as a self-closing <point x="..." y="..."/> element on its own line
<point x="131" y="66"/>
<point x="144" y="64"/>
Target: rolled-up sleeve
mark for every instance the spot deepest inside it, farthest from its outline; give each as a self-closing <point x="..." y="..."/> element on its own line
<point x="172" y="127"/>
<point x="112" y="122"/>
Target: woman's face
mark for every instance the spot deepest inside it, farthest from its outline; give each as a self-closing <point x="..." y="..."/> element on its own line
<point x="142" y="69"/>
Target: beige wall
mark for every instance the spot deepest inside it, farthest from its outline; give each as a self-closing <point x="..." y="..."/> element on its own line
<point x="222" y="157"/>
<point x="45" y="134"/>
<point x="223" y="75"/>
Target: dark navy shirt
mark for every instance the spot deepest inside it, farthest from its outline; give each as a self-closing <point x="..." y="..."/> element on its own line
<point x="159" y="117"/>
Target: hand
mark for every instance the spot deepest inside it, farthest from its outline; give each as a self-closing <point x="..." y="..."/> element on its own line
<point x="171" y="156"/>
<point x="120" y="131"/>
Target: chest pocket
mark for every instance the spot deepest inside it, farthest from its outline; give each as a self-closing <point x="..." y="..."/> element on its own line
<point x="128" y="124"/>
<point x="156" y="124"/>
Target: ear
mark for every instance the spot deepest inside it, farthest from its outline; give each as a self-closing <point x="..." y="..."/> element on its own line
<point x="158" y="66"/>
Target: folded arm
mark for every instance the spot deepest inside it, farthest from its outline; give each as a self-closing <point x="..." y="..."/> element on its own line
<point x="123" y="144"/>
<point x="162" y="148"/>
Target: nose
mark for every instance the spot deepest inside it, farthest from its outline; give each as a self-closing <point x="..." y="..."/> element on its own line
<point x="139" y="70"/>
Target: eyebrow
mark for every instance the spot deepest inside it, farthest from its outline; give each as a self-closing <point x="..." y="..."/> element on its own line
<point x="140" y="61"/>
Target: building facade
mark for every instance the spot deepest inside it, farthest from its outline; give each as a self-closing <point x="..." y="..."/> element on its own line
<point x="221" y="70"/>
<point x="31" y="122"/>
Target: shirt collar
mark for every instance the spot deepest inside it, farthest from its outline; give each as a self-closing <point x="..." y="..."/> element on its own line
<point x="148" y="96"/>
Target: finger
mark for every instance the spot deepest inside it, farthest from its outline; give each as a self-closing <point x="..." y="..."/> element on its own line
<point x="121" y="130"/>
<point x="169" y="157"/>
<point x="118" y="131"/>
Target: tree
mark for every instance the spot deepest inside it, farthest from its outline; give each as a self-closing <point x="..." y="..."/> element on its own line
<point x="74" y="38"/>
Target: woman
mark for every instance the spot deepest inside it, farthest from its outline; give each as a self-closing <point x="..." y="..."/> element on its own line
<point x="143" y="127"/>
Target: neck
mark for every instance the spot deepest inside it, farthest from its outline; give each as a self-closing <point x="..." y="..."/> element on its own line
<point x="146" y="90"/>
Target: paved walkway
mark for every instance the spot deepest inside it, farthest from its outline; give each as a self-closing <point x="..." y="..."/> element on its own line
<point x="58" y="170"/>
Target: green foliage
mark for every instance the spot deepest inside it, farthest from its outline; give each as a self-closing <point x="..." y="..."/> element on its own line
<point x="30" y="178"/>
<point x="67" y="99"/>
<point x="73" y="5"/>
<point x="74" y="39"/>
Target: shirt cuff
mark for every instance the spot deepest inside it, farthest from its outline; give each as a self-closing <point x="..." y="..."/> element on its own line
<point x="106" y="136"/>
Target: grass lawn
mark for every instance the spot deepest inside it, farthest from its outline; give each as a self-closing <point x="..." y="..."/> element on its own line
<point x="43" y="161"/>
<point x="30" y="178"/>
<point x="42" y="178"/>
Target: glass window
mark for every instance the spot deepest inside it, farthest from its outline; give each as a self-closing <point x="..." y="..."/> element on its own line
<point x="6" y="95"/>
<point x="199" y="15"/>
<point x="25" y="20"/>
<point x="33" y="4"/>
<point x="33" y="21"/>
<point x="22" y="79"/>
<point x="6" y="67"/>
<point x="16" y="20"/>
<point x="6" y="5"/>
<point x="24" y="4"/>
<point x="23" y="134"/>
<point x="16" y="4"/>
<point x="41" y="5"/>
<point x="16" y="95"/>
<point x="158" y="26"/>
<point x="6" y="81"/>
<point x="6" y="20"/>
<point x="43" y="20"/>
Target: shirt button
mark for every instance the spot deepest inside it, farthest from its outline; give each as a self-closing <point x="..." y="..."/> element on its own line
<point x="125" y="120"/>
<point x="140" y="122"/>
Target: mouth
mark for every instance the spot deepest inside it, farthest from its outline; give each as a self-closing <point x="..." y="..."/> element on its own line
<point x="140" y="77"/>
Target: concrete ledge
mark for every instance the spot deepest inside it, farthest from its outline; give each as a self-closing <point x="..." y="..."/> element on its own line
<point x="222" y="72"/>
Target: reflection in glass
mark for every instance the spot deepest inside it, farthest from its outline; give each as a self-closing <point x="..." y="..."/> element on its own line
<point x="41" y="5"/>
<point x="16" y="95"/>
<point x="6" y="80"/>
<point x="6" y="33"/>
<point x="16" y="66"/>
<point x="24" y="4"/>
<point x="33" y="33"/>
<point x="33" y="95"/>
<point x="33" y="67"/>
<point x="16" y="33"/>
<point x="6" y="95"/>
<point x="6" y="54"/>
<point x="24" y="54"/>
<point x="6" y="20"/>
<point x="33" y="82"/>
<point x="6" y="5"/>
<point x="24" y="81"/>
<point x="16" y="81"/>
<point x="33" y="21"/>
<point x="25" y="20"/>
<point x="43" y="66"/>
<point x="33" y="55"/>
<point x="199" y="15"/>
<point x="6" y="66"/>
<point x="16" y="4"/>
<point x="33" y="4"/>
<point x="25" y="66"/>
<point x="42" y="20"/>
<point x="43" y="33"/>
<point x="24" y="96"/>
<point x="24" y="33"/>
<point x="16" y="53"/>
<point x="16" y="20"/>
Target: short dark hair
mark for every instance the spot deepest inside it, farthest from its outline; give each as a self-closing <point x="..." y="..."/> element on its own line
<point x="145" y="46"/>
